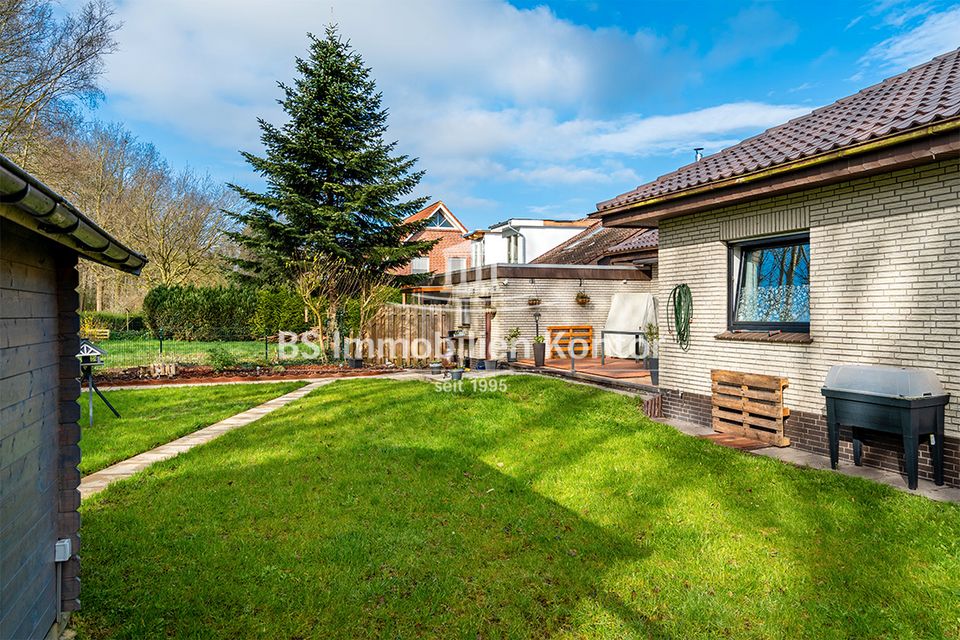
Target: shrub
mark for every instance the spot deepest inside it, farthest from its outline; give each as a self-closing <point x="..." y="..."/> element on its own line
<point x="278" y="309"/>
<point x="201" y="313"/>
<point x="89" y="324"/>
<point x="220" y="359"/>
<point x="115" y="321"/>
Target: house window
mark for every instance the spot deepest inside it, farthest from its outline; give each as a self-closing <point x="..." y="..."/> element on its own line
<point x="420" y="265"/>
<point x="478" y="256"/>
<point x="440" y="221"/>
<point x="456" y="264"/>
<point x="770" y="281"/>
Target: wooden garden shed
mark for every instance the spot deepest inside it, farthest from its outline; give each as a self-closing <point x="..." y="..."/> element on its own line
<point x="42" y="237"/>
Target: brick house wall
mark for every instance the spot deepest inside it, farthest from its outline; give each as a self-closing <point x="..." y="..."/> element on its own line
<point x="884" y="289"/>
<point x="558" y="306"/>
<point x="450" y="244"/>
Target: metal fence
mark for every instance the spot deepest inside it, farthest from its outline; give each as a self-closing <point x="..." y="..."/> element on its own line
<point x="401" y="334"/>
<point x="220" y="347"/>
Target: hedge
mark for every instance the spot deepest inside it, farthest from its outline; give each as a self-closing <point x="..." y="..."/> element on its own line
<point x="200" y="313"/>
<point x="221" y="313"/>
<point x="278" y="309"/>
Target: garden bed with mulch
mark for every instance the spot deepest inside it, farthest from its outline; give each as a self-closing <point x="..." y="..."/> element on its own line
<point x="141" y="375"/>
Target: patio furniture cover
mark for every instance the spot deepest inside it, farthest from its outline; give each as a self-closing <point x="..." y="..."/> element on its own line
<point x="628" y="312"/>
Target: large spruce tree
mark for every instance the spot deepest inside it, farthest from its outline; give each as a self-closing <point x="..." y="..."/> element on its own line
<point x="334" y="186"/>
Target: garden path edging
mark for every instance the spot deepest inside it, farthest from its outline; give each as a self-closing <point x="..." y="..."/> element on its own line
<point x="97" y="482"/>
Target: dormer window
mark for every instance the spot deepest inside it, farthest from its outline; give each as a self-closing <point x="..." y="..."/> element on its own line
<point x="440" y="221"/>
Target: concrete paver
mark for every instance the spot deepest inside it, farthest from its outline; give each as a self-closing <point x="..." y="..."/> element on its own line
<point x="96" y="482"/>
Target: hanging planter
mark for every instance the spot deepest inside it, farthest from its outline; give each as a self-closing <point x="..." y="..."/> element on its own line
<point x="533" y="302"/>
<point x="582" y="298"/>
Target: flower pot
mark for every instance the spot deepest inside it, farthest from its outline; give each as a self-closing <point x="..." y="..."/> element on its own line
<point x="512" y="355"/>
<point x="539" y="353"/>
<point x="435" y="368"/>
<point x="355" y="363"/>
<point x="490" y="365"/>
<point x="456" y="374"/>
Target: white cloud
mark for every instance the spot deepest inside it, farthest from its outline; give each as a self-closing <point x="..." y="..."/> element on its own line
<point x="557" y="174"/>
<point x="938" y="33"/>
<point x="210" y="68"/>
<point x="478" y="90"/>
<point x="466" y="135"/>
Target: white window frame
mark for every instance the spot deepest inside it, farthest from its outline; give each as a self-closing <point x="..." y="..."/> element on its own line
<point x="417" y="265"/>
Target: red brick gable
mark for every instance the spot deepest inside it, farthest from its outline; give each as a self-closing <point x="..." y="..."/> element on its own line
<point x="450" y="242"/>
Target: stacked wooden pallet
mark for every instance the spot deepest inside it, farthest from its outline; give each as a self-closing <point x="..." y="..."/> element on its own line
<point x="749" y="405"/>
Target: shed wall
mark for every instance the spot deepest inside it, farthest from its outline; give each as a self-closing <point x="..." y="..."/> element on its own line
<point x="38" y="430"/>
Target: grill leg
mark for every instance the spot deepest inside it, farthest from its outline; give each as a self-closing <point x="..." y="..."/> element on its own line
<point x="833" y="434"/>
<point x="910" y="446"/>
<point x="938" y="450"/>
<point x="857" y="449"/>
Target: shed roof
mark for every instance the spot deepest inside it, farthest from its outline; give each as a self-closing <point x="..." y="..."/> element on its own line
<point x="40" y="209"/>
<point x="919" y="97"/>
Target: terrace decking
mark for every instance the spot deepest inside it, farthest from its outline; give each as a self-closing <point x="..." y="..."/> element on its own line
<point x="619" y="369"/>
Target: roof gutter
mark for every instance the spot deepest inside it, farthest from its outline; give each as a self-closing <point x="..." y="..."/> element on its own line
<point x="779" y="170"/>
<point x="40" y="209"/>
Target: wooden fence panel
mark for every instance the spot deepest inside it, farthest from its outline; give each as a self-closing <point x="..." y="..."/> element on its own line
<point x="409" y="334"/>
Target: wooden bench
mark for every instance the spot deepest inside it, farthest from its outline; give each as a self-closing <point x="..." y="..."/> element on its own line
<point x="749" y="405"/>
<point x="561" y="337"/>
<point x="97" y="334"/>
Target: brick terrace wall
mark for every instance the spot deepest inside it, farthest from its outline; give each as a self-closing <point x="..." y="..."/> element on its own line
<point x="38" y="429"/>
<point x="558" y="306"/>
<point x="885" y="285"/>
<point x="808" y="431"/>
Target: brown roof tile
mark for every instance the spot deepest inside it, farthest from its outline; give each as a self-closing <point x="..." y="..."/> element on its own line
<point x="641" y="240"/>
<point x="595" y="242"/>
<point x="918" y="97"/>
<point x="430" y="209"/>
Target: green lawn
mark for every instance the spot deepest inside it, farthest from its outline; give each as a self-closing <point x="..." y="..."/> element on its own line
<point x="151" y="417"/>
<point x="141" y="352"/>
<point x="387" y="509"/>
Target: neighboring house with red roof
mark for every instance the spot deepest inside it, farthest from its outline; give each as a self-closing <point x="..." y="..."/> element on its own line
<point x="833" y="238"/>
<point x="450" y="253"/>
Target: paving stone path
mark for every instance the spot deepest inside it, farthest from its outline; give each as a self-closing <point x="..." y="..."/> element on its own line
<point x="96" y="482"/>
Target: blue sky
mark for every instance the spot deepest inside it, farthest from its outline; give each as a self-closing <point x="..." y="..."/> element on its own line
<point x="515" y="109"/>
